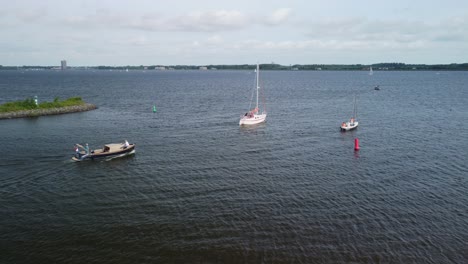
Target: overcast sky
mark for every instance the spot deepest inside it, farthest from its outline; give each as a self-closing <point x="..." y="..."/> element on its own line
<point x="202" y="32"/>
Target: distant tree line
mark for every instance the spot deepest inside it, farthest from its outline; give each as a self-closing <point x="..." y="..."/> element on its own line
<point x="393" y="66"/>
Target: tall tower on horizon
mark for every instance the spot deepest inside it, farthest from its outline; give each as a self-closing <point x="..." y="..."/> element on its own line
<point x="63" y="65"/>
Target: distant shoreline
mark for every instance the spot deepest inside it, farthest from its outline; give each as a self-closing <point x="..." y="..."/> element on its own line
<point x="392" y="66"/>
<point x="49" y="111"/>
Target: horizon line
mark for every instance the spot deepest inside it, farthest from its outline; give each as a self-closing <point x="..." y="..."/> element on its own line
<point x="271" y="63"/>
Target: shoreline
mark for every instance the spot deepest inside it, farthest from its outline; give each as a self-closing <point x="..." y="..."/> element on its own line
<point x="46" y="112"/>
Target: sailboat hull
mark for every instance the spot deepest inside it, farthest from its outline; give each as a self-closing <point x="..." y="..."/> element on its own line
<point x="256" y="119"/>
<point x="349" y="126"/>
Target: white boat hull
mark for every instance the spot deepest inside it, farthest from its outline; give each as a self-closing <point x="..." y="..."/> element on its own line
<point x="256" y="119"/>
<point x="349" y="126"/>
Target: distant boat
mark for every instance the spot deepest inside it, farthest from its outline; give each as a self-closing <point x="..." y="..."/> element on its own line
<point x="377" y="88"/>
<point x="371" y="72"/>
<point x="352" y="123"/>
<point x="126" y="70"/>
<point x="253" y="117"/>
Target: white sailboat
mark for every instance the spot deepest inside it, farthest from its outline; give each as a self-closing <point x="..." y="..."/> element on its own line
<point x="254" y="117"/>
<point x="352" y="123"/>
<point x="371" y="72"/>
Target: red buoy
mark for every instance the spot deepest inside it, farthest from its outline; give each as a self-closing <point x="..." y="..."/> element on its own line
<point x="356" y="144"/>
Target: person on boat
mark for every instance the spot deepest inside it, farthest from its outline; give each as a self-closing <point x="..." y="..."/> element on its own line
<point x="343" y="124"/>
<point x="87" y="149"/>
<point x="80" y="146"/>
<point x="352" y="121"/>
<point x="77" y="151"/>
<point x="126" y="145"/>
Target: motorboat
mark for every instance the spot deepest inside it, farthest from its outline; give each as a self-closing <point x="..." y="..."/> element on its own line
<point x="111" y="150"/>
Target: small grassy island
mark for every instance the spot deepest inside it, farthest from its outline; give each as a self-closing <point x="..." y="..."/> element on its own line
<point x="29" y="108"/>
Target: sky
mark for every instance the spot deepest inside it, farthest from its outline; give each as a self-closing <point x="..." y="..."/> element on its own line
<point x="205" y="32"/>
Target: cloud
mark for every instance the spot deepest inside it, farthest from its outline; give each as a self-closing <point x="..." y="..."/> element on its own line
<point x="208" y="21"/>
<point x="30" y="16"/>
<point x="101" y="19"/>
<point x="18" y="16"/>
<point x="196" y="21"/>
<point x="143" y="32"/>
<point x="211" y="21"/>
<point x="278" y="16"/>
<point x="138" y="41"/>
<point x="388" y="33"/>
<point x="449" y="37"/>
<point x="214" y="40"/>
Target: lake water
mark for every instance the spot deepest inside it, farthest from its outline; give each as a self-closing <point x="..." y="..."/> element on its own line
<point x="200" y="189"/>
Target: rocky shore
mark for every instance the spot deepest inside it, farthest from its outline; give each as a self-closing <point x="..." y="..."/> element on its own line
<point x="50" y="111"/>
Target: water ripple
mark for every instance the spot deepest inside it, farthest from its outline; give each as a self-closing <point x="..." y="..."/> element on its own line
<point x="202" y="189"/>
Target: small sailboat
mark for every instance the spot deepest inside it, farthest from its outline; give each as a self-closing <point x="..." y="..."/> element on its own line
<point x="352" y="123"/>
<point x="371" y="72"/>
<point x="253" y="116"/>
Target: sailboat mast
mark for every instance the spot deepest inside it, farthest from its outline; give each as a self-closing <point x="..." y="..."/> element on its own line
<point x="355" y="108"/>
<point x="257" y="84"/>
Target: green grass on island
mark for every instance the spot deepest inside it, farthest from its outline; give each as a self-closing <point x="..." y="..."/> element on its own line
<point x="29" y="104"/>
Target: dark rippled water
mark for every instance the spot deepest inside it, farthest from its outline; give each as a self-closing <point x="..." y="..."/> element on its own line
<point x="202" y="190"/>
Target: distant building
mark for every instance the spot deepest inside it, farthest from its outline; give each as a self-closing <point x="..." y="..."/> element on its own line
<point x="203" y="68"/>
<point x="63" y="65"/>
